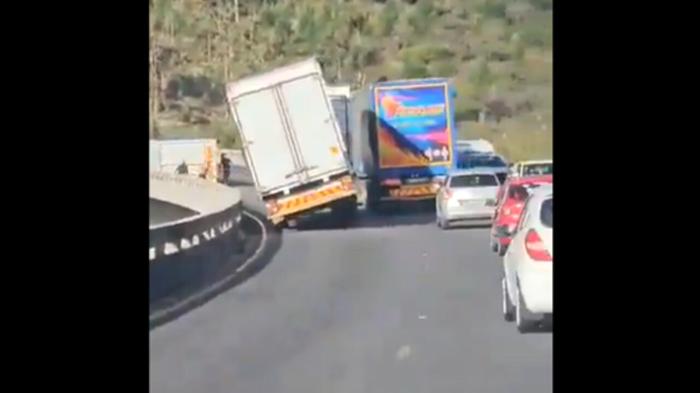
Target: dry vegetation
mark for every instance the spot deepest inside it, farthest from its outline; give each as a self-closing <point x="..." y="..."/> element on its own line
<point x="498" y="52"/>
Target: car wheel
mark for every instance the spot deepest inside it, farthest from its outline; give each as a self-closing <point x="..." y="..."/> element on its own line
<point x="494" y="245"/>
<point x="508" y="307"/>
<point x="444" y="224"/>
<point x="502" y="249"/>
<point x="524" y="319"/>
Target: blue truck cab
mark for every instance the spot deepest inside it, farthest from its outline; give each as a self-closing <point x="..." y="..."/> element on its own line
<point x="401" y="138"/>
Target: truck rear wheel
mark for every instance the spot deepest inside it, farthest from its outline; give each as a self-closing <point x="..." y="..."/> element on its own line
<point x="372" y="197"/>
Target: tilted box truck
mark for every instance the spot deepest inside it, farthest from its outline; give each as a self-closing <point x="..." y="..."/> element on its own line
<point x="292" y="142"/>
<point x="401" y="138"/>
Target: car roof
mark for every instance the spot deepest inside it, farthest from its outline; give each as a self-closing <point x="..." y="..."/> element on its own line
<point x="531" y="162"/>
<point x="518" y="181"/>
<point x="475" y="171"/>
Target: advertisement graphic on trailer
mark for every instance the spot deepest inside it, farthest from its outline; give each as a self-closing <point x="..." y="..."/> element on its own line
<point x="412" y="127"/>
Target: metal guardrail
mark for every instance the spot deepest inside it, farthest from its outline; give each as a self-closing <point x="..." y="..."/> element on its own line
<point x="191" y="247"/>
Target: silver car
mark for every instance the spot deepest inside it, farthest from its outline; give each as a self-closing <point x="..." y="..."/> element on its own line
<point x="467" y="196"/>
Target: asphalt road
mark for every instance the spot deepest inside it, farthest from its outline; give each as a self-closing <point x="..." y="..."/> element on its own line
<point x="392" y="304"/>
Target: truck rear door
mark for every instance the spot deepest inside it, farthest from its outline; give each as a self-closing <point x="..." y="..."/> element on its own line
<point x="267" y="146"/>
<point x="312" y="122"/>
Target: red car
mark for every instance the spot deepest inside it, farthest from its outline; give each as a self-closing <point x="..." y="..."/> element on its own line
<point x="509" y="204"/>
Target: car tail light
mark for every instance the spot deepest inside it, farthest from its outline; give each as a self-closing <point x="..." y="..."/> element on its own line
<point x="535" y="247"/>
<point x="448" y="193"/>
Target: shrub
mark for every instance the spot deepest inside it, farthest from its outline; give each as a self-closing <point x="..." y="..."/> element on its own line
<point x="414" y="69"/>
<point x="388" y="18"/>
<point x="492" y="9"/>
<point x="443" y="69"/>
<point x="427" y="53"/>
<point x="422" y="17"/>
<point x="542" y="4"/>
<point x="482" y="75"/>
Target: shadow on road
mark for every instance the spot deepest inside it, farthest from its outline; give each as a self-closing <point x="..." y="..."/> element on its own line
<point x="404" y="214"/>
<point x="458" y="226"/>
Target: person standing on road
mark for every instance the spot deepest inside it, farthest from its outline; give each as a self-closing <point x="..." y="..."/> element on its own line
<point x="225" y="168"/>
<point x="182" y="168"/>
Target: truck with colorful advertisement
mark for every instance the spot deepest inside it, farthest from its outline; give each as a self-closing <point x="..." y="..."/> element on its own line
<point x="292" y="143"/>
<point x="401" y="138"/>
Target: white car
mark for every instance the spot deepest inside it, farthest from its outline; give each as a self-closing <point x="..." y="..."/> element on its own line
<point x="532" y="168"/>
<point x="467" y="196"/>
<point x="528" y="264"/>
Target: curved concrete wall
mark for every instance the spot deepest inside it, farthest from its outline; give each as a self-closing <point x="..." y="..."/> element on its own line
<point x="192" y="247"/>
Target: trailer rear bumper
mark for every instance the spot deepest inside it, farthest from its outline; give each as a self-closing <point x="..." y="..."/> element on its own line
<point x="410" y="192"/>
<point x="278" y="209"/>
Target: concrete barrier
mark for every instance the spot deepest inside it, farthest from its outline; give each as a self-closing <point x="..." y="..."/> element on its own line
<point x="192" y="248"/>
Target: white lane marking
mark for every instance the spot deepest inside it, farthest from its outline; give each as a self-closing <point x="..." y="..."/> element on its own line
<point x="262" y="242"/>
<point x="403" y="352"/>
<point x="421" y="317"/>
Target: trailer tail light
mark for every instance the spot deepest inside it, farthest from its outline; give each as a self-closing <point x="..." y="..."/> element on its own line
<point x="535" y="247"/>
<point x="438" y="182"/>
<point x="272" y="207"/>
<point x="391" y="182"/>
<point x="346" y="183"/>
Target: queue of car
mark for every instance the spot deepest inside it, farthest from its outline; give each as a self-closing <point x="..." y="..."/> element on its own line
<point x="517" y="202"/>
<point x="528" y="264"/>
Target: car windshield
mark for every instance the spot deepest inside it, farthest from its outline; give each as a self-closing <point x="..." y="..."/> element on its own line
<point x="547" y="212"/>
<point x="473" y="181"/>
<point x="470" y="161"/>
<point x="538" y="169"/>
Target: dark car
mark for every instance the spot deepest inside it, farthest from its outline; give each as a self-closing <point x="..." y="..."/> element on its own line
<point x="470" y="160"/>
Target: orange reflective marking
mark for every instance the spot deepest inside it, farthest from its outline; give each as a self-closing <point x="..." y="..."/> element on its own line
<point x="299" y="202"/>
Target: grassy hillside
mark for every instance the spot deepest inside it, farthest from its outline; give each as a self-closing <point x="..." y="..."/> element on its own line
<point x="498" y="52"/>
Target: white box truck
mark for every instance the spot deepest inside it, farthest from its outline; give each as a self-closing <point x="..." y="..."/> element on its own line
<point x="292" y="142"/>
<point x="199" y="156"/>
<point x="340" y="100"/>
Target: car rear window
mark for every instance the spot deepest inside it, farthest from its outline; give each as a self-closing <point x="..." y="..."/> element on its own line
<point x="547" y="212"/>
<point x="470" y="160"/>
<point x="538" y="169"/>
<point x="518" y="193"/>
<point x="474" y="181"/>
